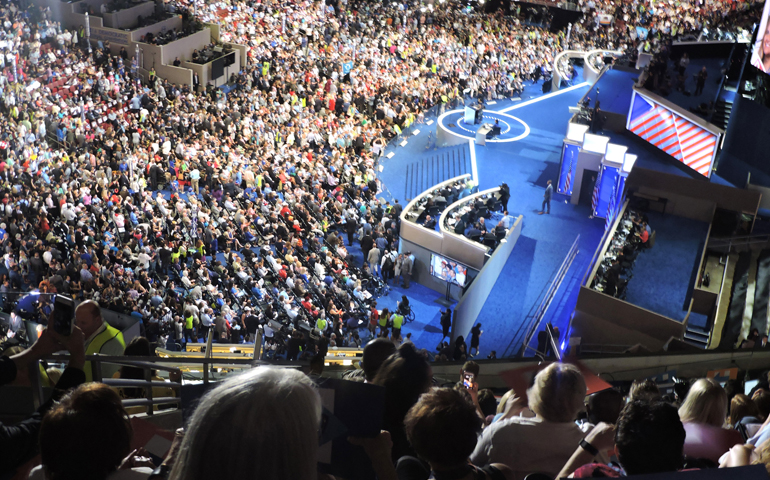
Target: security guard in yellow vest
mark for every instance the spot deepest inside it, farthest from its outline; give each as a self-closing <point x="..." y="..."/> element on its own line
<point x="398" y="321"/>
<point x="101" y="338"/>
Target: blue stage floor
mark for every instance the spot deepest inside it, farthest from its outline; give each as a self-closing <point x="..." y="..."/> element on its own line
<point x="525" y="165"/>
<point x="663" y="274"/>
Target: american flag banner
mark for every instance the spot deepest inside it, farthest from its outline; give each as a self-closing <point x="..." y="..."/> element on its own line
<point x="568" y="185"/>
<point x="611" y="207"/>
<point x="595" y="195"/>
<point x="669" y="131"/>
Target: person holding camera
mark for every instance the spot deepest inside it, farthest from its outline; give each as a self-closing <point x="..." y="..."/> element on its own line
<point x="19" y="442"/>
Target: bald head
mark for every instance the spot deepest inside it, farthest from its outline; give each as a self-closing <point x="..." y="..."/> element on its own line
<point x="88" y="317"/>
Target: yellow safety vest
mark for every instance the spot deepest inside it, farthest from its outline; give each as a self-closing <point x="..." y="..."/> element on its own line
<point x="398" y="320"/>
<point x="188" y="322"/>
<point x="96" y="345"/>
<point x="320" y="324"/>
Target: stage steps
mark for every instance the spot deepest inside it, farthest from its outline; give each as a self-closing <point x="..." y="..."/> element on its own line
<point x="436" y="167"/>
<point x="722" y="111"/>
<point x="696" y="336"/>
<point x="723" y="304"/>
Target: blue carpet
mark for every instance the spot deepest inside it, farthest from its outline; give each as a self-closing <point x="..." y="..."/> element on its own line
<point x="615" y="88"/>
<point x="713" y="67"/>
<point x="525" y="165"/>
<point x="698" y="320"/>
<point x="662" y="274"/>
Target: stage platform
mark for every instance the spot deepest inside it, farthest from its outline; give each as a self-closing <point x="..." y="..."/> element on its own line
<point x="454" y="130"/>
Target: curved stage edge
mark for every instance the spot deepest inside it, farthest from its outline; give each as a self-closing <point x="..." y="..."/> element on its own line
<point x="512" y="128"/>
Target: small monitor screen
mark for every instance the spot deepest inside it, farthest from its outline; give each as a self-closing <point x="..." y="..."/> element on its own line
<point x="749" y="385"/>
<point x="448" y="270"/>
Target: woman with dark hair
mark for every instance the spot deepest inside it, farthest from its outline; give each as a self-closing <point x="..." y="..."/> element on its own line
<point x="87" y="436"/>
<point x="443" y="429"/>
<point x="461" y="349"/>
<point x="475" y="334"/>
<point x="139" y="347"/>
<point x="405" y="375"/>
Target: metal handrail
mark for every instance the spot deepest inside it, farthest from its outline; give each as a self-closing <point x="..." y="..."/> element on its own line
<point x="738" y="240"/>
<point x="537" y="312"/>
<point x="551" y="293"/>
<point x="129" y="382"/>
<point x="148" y="364"/>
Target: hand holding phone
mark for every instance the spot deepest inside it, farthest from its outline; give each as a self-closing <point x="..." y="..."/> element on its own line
<point x="63" y="315"/>
<point x="468" y="379"/>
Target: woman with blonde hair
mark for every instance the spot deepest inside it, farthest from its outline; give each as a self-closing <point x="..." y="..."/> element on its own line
<point x="703" y="414"/>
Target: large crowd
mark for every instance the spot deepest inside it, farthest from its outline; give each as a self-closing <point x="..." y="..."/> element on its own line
<point x="195" y="208"/>
<point x="199" y="209"/>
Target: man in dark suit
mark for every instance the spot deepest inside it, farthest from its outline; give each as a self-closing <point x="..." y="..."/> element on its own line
<point x="547" y="199"/>
<point x="474" y="232"/>
<point x="350" y="229"/>
<point x="366" y="244"/>
<point x="430" y="222"/>
<point x="460" y="227"/>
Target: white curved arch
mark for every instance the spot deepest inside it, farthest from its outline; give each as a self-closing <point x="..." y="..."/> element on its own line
<point x="590" y="74"/>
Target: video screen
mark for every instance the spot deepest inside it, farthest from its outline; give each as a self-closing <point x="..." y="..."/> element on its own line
<point x="448" y="270"/>
<point x="760" y="57"/>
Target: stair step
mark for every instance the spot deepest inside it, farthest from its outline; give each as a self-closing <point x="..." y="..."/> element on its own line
<point x="695" y="335"/>
<point x="694" y="343"/>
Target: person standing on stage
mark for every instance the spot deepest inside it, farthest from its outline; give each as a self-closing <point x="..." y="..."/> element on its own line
<point x="547" y="199"/>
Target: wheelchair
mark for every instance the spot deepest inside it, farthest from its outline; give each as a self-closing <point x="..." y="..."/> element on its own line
<point x="407" y="313"/>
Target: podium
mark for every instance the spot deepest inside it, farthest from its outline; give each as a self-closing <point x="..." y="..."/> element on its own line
<point x="481" y="133"/>
<point x="473" y="114"/>
<point x="470" y="115"/>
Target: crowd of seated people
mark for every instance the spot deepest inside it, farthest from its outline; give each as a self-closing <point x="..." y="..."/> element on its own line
<point x="430" y="207"/>
<point x="209" y="53"/>
<point x="457" y="430"/>
<point x="158" y="199"/>
<point x="632" y="236"/>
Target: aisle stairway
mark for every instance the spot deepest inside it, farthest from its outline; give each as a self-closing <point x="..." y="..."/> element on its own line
<point x="436" y="167"/>
<point x="760" y="316"/>
<point x="734" y="319"/>
<point x="747" y="308"/>
<point x="723" y="302"/>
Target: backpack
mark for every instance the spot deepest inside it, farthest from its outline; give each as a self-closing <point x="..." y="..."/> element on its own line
<point x="388" y="263"/>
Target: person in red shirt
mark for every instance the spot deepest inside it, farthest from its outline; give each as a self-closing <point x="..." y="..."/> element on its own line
<point x="644" y="234"/>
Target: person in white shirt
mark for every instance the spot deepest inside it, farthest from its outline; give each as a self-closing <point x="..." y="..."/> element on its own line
<point x="544" y="443"/>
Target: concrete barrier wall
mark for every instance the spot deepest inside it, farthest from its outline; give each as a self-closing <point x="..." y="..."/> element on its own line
<point x="604" y="320"/>
<point x="129" y="17"/>
<point x="468" y="309"/>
